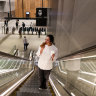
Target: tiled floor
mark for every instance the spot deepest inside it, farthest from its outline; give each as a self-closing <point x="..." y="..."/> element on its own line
<point x="13" y="40"/>
<point x="8" y="44"/>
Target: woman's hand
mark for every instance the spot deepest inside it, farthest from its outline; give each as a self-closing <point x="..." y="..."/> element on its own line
<point x="43" y="45"/>
<point x="52" y="57"/>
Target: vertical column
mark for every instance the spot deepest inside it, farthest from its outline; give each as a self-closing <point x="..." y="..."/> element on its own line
<point x="42" y="3"/>
<point x="23" y="8"/>
<point x="10" y="8"/>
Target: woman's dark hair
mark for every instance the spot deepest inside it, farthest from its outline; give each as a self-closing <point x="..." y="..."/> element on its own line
<point x="51" y="37"/>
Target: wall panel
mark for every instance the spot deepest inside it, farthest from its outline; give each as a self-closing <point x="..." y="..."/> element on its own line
<point x="28" y="5"/>
<point x="74" y="27"/>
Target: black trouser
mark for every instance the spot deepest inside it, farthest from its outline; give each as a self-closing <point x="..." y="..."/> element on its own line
<point x="17" y="27"/>
<point x="44" y="76"/>
<point x="25" y="46"/>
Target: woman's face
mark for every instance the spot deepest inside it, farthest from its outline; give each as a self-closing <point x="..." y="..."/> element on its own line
<point x="47" y="40"/>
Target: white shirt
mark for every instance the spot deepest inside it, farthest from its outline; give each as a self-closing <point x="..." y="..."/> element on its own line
<point x="45" y="61"/>
<point x="25" y="41"/>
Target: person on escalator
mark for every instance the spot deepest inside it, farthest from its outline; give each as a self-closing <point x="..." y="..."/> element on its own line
<point x="47" y="54"/>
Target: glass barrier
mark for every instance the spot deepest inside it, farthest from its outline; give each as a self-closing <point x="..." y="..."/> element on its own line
<point x="13" y="50"/>
<point x="12" y="70"/>
<point x="77" y="76"/>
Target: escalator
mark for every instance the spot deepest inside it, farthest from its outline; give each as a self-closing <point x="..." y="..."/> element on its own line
<point x="20" y="73"/>
<point x="13" y="71"/>
<point x="31" y="87"/>
<point x="74" y="76"/>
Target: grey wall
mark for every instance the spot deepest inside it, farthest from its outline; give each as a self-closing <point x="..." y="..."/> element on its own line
<point x="73" y="24"/>
<point x="4" y="7"/>
<point x="53" y="16"/>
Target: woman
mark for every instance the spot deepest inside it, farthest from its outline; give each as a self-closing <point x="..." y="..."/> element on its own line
<point x="47" y="53"/>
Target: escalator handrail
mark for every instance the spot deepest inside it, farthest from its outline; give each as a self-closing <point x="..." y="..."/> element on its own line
<point x="16" y="52"/>
<point x="11" y="56"/>
<point x="85" y="50"/>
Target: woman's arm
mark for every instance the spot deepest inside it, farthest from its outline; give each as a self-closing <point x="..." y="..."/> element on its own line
<point x="53" y="55"/>
<point x="41" y="50"/>
<point x="42" y="47"/>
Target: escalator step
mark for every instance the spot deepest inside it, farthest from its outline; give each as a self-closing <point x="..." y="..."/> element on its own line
<point x="32" y="94"/>
<point x="31" y="87"/>
<point x="34" y="90"/>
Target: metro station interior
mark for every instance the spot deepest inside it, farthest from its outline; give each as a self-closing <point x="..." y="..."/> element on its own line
<point x="72" y="23"/>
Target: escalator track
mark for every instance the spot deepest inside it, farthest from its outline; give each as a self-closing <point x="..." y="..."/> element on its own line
<point x="31" y="87"/>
